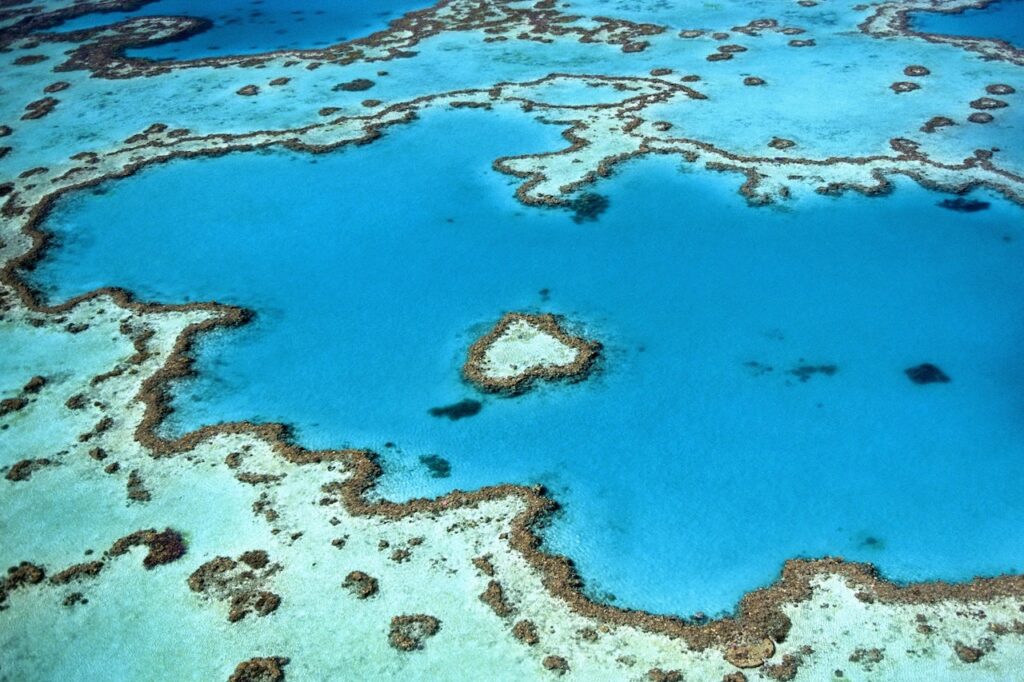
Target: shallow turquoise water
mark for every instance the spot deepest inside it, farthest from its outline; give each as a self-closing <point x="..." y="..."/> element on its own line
<point x="1003" y="20"/>
<point x="247" y="26"/>
<point x="688" y="474"/>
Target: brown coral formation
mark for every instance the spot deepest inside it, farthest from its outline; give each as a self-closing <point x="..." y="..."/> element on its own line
<point x="473" y="370"/>
<point x="999" y="89"/>
<point x="39" y="108"/>
<point x="19" y="576"/>
<point x="240" y="583"/>
<point x="23" y="470"/>
<point x="556" y="664"/>
<point x="753" y="80"/>
<point x="164" y="546"/>
<point x="89" y="569"/>
<point x="968" y="654"/>
<point x="355" y="85"/>
<point x="904" y="86"/>
<point x="749" y="654"/>
<point x="526" y="632"/>
<point x="984" y="103"/>
<point x="30" y="59"/>
<point x="981" y="117"/>
<point x="362" y="585"/>
<point x="260" y="670"/>
<point x="785" y="670"/>
<point x="494" y="597"/>
<point x="916" y="71"/>
<point x="936" y="122"/>
<point x="8" y="405"/>
<point x="781" y="143"/>
<point x="248" y="90"/>
<point x="408" y="632"/>
<point x="137" y="491"/>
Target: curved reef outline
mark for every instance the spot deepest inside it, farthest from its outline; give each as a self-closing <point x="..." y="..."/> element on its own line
<point x="892" y="20"/>
<point x="759" y="614"/>
<point x="473" y="369"/>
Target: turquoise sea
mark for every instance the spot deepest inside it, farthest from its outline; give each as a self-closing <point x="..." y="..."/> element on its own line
<point x="799" y="251"/>
<point x="751" y="405"/>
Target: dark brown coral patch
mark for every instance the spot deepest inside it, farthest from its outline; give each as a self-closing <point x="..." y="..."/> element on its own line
<point x="260" y="670"/>
<point x="749" y="654"/>
<point x="936" y="122"/>
<point x="999" y="89"/>
<point x="240" y="583"/>
<point x="137" y="491"/>
<point x="39" y="108"/>
<point x="283" y="80"/>
<point x="19" y="576"/>
<point x="23" y="470"/>
<point x="659" y="675"/>
<point x="988" y="103"/>
<point x="916" y="71"/>
<point x="408" y="632"/>
<point x="494" y="597"/>
<point x="34" y="385"/>
<point x="904" y="86"/>
<point x="362" y="585"/>
<point x="356" y="85"/>
<point x="808" y="42"/>
<point x="556" y="664"/>
<point x="56" y="87"/>
<point x="30" y="59"/>
<point x="981" y="117"/>
<point x="9" y="405"/>
<point x="781" y="143"/>
<point x="164" y="547"/>
<point x="89" y="569"/>
<point x="526" y="632"/>
<point x="248" y="90"/>
<point x="967" y="654"/>
<point x="753" y="80"/>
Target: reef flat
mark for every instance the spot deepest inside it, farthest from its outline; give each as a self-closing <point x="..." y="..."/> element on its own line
<point x="523" y="348"/>
<point x="118" y="529"/>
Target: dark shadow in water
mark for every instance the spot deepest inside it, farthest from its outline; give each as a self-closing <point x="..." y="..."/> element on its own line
<point x="927" y="373"/>
<point x="463" y="408"/>
<point x="964" y="205"/>
<point x="439" y="467"/>
<point x="588" y="206"/>
<point x="805" y="372"/>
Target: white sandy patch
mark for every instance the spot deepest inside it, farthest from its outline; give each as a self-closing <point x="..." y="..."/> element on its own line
<point x="522" y="347"/>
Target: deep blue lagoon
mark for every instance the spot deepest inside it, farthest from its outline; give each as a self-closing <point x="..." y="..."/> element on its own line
<point x="1000" y="20"/>
<point x="752" y="403"/>
<point x="249" y="26"/>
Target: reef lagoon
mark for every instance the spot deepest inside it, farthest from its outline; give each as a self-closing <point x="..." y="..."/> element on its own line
<point x="1000" y="20"/>
<point x="511" y="340"/>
